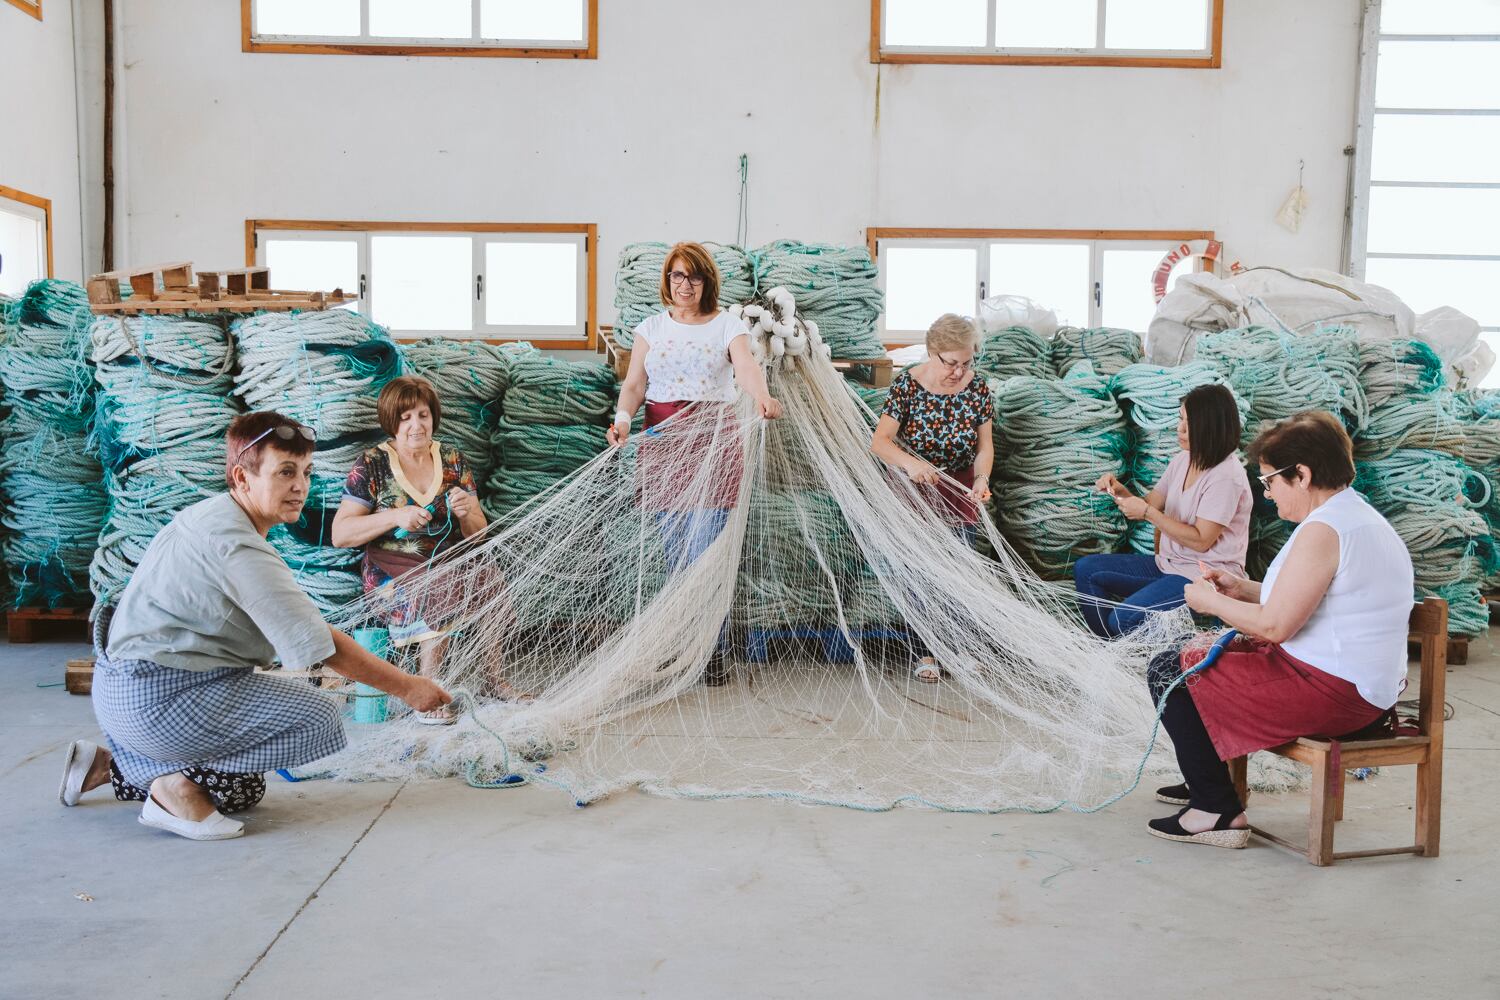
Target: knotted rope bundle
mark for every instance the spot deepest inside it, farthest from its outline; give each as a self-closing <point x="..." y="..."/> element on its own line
<point x="165" y="404"/>
<point x="1108" y="349"/>
<point x="54" y="499"/>
<point x="470" y="378"/>
<point x="1391" y="369"/>
<point x="836" y="288"/>
<point x="1055" y="438"/>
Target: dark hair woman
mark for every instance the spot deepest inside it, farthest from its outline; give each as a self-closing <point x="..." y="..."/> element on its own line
<point x="1200" y="509"/>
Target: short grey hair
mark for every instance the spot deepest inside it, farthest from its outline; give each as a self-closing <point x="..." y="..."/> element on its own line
<point x="952" y="332"/>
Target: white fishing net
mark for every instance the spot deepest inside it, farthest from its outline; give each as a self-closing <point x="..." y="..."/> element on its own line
<point x="613" y="596"/>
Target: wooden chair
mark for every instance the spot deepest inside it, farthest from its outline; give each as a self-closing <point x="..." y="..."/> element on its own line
<point x="1329" y="758"/>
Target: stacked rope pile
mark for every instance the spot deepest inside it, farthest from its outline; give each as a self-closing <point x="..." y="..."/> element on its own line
<point x="325" y="370"/>
<point x="1150" y="397"/>
<point x="1108" y="349"/>
<point x="7" y="309"/>
<point x="164" y="404"/>
<point x="1012" y="351"/>
<point x="1481" y="414"/>
<point x="470" y="378"/>
<point x="1054" y="439"/>
<point x="552" y="422"/>
<point x="54" y="497"/>
<point x="1433" y="500"/>
<point x="836" y="288"/>
<point x="638" y="282"/>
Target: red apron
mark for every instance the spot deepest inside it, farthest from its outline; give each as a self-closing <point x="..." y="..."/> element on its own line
<point x="1257" y="695"/>
<point x="699" y="467"/>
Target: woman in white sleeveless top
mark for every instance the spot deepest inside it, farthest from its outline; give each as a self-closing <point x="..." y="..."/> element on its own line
<point x="1322" y="647"/>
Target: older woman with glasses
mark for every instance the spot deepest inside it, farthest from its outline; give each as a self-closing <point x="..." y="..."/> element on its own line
<point x="936" y="427"/>
<point x="687" y="363"/>
<point x="1321" y="649"/>
<point x="191" y="727"/>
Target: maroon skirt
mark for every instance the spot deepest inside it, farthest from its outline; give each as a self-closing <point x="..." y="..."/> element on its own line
<point x="670" y="473"/>
<point x="1257" y="695"/>
<point x="952" y="503"/>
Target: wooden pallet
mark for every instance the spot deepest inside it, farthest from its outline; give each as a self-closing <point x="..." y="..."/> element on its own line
<point x="78" y="676"/>
<point x="170" y="288"/>
<point x="22" y="624"/>
<point x="618" y="358"/>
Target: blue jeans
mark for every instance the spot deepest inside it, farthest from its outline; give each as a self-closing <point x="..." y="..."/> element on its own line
<point x="1129" y="578"/>
<point x="687" y="534"/>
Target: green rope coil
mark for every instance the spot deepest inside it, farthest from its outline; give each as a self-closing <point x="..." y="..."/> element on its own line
<point x="1109" y="350"/>
<point x="1055" y="438"/>
<point x="835" y="287"/>
<point x="1012" y="351"/>
<point x="1279" y="374"/>
<point x="1389" y="369"/>
<point x="471" y="379"/>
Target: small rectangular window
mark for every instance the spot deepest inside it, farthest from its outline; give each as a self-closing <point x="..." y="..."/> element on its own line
<point x="522" y="28"/>
<point x="1055" y="273"/>
<point x="531" y="281"/>
<point x="923" y="282"/>
<point x="25" y="240"/>
<point x="1437" y="74"/>
<point x="1166" y="33"/>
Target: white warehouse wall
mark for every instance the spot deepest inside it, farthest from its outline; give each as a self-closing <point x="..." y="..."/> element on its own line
<point x="645" y="140"/>
<point x="39" y="121"/>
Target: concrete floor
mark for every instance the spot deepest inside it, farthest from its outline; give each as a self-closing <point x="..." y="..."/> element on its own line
<point x="428" y="889"/>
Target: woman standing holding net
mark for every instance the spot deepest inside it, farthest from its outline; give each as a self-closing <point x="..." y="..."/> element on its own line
<point x="937" y="428"/>
<point x="686" y="365"/>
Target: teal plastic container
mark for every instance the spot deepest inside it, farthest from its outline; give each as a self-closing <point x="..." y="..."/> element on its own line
<point x="371" y="703"/>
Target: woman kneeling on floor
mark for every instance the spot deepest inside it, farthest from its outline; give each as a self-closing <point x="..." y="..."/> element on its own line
<point x="190" y="725"/>
<point x="1322" y="647"/>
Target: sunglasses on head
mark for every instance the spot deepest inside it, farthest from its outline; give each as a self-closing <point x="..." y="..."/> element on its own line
<point x="283" y="431"/>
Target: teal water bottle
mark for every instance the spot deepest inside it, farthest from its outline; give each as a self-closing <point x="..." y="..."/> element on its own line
<point x="370" y="703"/>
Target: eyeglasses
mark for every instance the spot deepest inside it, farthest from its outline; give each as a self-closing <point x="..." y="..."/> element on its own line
<point x="955" y="366"/>
<point x="1265" y="481"/>
<point x="678" y="277"/>
<point x="283" y="431"/>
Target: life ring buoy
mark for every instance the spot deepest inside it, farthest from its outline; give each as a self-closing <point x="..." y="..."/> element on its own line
<point x="1184" y="251"/>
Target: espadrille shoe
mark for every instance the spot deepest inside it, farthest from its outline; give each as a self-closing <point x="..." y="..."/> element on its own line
<point x="1222" y="835"/>
<point x="1173" y="795"/>
<point x="216" y="826"/>
<point x="76" y="766"/>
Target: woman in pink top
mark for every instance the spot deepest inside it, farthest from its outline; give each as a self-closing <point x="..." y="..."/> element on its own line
<point x="1200" y="509"/>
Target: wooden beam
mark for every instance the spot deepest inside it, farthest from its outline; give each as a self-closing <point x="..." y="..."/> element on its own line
<point x="107" y="258"/>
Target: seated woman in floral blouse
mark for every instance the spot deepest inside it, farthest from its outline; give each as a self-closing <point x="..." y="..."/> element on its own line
<point x="937" y="422"/>
<point x="408" y="501"/>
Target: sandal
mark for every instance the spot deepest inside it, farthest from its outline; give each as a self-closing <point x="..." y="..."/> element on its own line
<point x="444" y="716"/>
<point x="1222" y="834"/>
<point x="1173" y="795"/>
<point x="927" y="670"/>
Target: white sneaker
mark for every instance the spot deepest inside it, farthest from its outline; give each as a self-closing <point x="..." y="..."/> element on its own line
<point x="215" y="827"/>
<point x="76" y="766"/>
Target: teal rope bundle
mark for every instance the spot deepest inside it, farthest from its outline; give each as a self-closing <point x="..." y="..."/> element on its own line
<point x="1054" y="439"/>
<point x="836" y="288"/>
<point x="1434" y="503"/>
<point x="550" y="391"/>
<point x="1479" y="412"/>
<point x="470" y="378"/>
<point x="1279" y="374"/>
<point x="330" y="576"/>
<point x="165" y="405"/>
<point x="1150" y="397"/>
<point x="1430" y="422"/>
<point x="54" y="496"/>
<point x="1012" y="351"/>
<point x="638" y="282"/>
<point x="1389" y="369"/>
<point x="1108" y="349"/>
<point x="552" y="448"/>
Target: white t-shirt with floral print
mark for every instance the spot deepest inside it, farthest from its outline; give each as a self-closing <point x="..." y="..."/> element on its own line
<point x="689" y="361"/>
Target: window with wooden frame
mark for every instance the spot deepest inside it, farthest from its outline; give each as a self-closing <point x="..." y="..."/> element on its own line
<point x="1089" y="277"/>
<point x="25" y="240"/>
<point x="534" y="29"/>
<point x="32" y="7"/>
<point x="473" y="280"/>
<point x="1183" y="34"/>
<point x="1426" y="220"/>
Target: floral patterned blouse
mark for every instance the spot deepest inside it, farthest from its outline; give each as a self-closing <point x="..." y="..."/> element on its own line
<point x="377" y="483"/>
<point x="941" y="429"/>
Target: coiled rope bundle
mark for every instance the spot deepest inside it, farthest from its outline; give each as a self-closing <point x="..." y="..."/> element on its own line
<point x="836" y="288"/>
<point x="325" y="370"/>
<point x="553" y="421"/>
<point x="1392" y="369"/>
<point x="1012" y="351"/>
<point x="55" y="501"/>
<point x="1055" y="438"/>
<point x="165" y="404"/>
<point x="1108" y="349"/>
<point x="1278" y="375"/>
